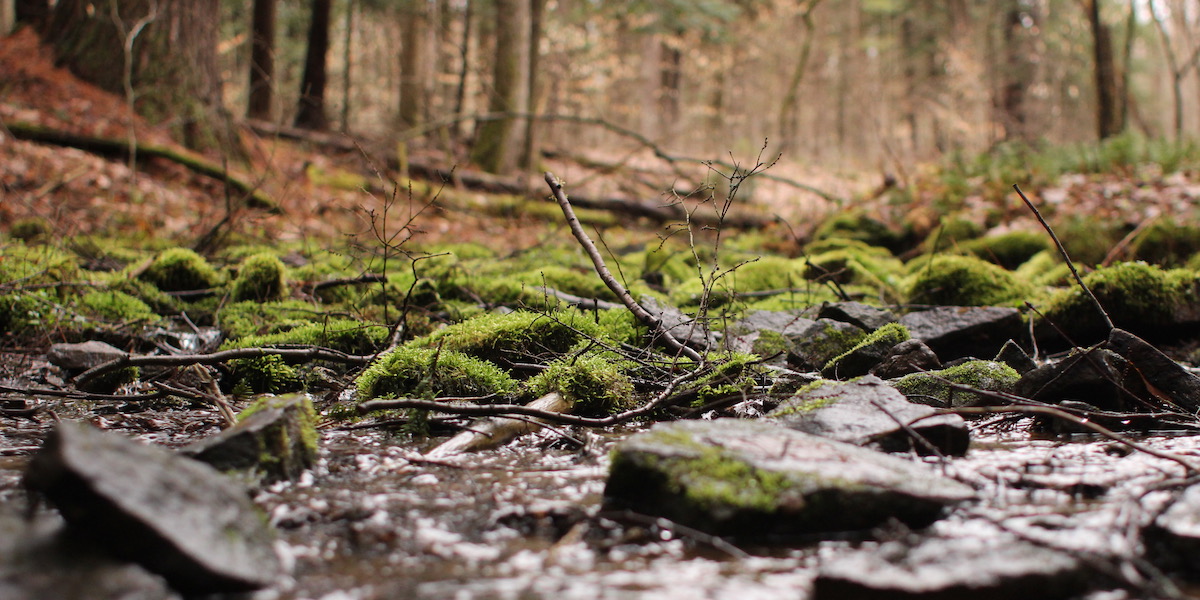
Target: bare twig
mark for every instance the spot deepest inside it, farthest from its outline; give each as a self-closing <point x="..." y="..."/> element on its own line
<point x="1070" y="264"/>
<point x="654" y="323"/>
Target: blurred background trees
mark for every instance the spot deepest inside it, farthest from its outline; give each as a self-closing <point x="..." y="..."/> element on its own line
<point x="848" y="84"/>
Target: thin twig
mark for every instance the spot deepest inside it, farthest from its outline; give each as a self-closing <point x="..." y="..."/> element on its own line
<point x="1070" y="264"/>
<point x="654" y="323"/>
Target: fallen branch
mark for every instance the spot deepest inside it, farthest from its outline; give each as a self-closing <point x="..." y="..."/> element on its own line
<point x="254" y="197"/>
<point x="305" y="353"/>
<point x="654" y="323"/>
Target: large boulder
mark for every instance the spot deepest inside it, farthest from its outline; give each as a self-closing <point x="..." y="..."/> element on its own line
<point x="175" y="516"/>
<point x="753" y="479"/>
<point x="868" y="412"/>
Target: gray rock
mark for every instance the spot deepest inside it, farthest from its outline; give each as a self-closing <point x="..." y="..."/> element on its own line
<point x="756" y="480"/>
<point x="175" y="516"/>
<point x="821" y="341"/>
<point x="940" y="388"/>
<point x="865" y="356"/>
<point x="786" y="323"/>
<point x="1094" y="376"/>
<point x="858" y="314"/>
<point x="684" y="327"/>
<point x="1172" y="540"/>
<point x="978" y="569"/>
<point x="868" y="412"/>
<point x="1012" y="355"/>
<point x="39" y="560"/>
<point x="909" y="356"/>
<point x="959" y="331"/>
<point x="1168" y="377"/>
<point x="275" y="438"/>
<point x="82" y="356"/>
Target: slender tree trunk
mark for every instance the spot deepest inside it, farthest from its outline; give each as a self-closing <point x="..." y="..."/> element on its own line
<point x="789" y="109"/>
<point x="498" y="144"/>
<point x="529" y="155"/>
<point x="1108" y="109"/>
<point x="413" y="64"/>
<point x="1018" y="71"/>
<point x="262" y="60"/>
<point x="30" y="12"/>
<point x="170" y="49"/>
<point x="464" y="55"/>
<point x="671" y="86"/>
<point x="311" y="114"/>
<point x="348" y="62"/>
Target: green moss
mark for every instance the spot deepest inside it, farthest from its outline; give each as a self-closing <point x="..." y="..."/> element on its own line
<point x="307" y="420"/>
<point x="965" y="281"/>
<point x="265" y="375"/>
<point x="850" y="266"/>
<point x="1166" y="243"/>
<point x="932" y="388"/>
<point x="345" y="335"/>
<point x="242" y="319"/>
<point x="181" y="269"/>
<point x="1087" y="238"/>
<point x="1138" y="297"/>
<point x="767" y="273"/>
<point x="769" y="343"/>
<point x="1045" y="268"/>
<point x="885" y="337"/>
<point x="593" y="383"/>
<point x="805" y="399"/>
<point x="950" y="234"/>
<point x="30" y="230"/>
<point x="412" y="371"/>
<point x="857" y="225"/>
<point x="116" y="306"/>
<point x="1009" y="250"/>
<point x="731" y="374"/>
<point x="260" y="277"/>
<point x="519" y="336"/>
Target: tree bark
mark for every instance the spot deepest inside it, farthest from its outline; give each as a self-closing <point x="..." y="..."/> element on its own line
<point x="498" y="144"/>
<point x="30" y="12"/>
<point x="262" y="60"/>
<point x="1018" y="71"/>
<point x="413" y="64"/>
<point x="311" y="114"/>
<point x="531" y="151"/>
<point x="1108" y="109"/>
<point x="170" y="49"/>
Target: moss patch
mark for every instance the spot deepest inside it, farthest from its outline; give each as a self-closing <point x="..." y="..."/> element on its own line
<point x="1138" y="297"/>
<point x="593" y="383"/>
<point x="932" y="388"/>
<point x="180" y="269"/>
<point x="260" y="277"/>
<point x="428" y="372"/>
<point x="964" y="281"/>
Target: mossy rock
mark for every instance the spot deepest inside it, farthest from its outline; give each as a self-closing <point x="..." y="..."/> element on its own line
<point x="950" y="234"/>
<point x="866" y="354"/>
<point x="30" y="230"/>
<point x="879" y="272"/>
<point x="181" y="269"/>
<point x="595" y="384"/>
<point x="118" y="307"/>
<point x="1140" y="298"/>
<point x="430" y="372"/>
<point x="766" y="273"/>
<point x="518" y="336"/>
<point x="857" y="225"/>
<point x="1046" y="268"/>
<point x="264" y="375"/>
<point x="965" y="281"/>
<point x="933" y="388"/>
<point x="1009" y="250"/>
<point x="1166" y="243"/>
<point x="344" y="335"/>
<point x="250" y="318"/>
<point x="260" y="278"/>
<point x="1089" y="239"/>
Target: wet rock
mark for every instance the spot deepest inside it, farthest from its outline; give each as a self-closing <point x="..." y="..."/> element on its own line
<point x="175" y="516"/>
<point x="868" y="412"/>
<point x="38" y="559"/>
<point x="82" y="356"/>
<point x="1012" y="355"/>
<point x="867" y="354"/>
<point x="909" y="356"/>
<point x="958" y="331"/>
<point x="1172" y="540"/>
<point x="1174" y="383"/>
<point x="757" y="480"/>
<point x="684" y="327"/>
<point x="860" y="315"/>
<point x="783" y="322"/>
<point x="275" y="439"/>
<point x="821" y="341"/>
<point x="972" y="568"/>
<point x="1094" y="376"/>
<point x="937" y="388"/>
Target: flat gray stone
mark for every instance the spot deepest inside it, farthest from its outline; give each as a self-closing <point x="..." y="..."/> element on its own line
<point x="961" y="331"/>
<point x="174" y="516"/>
<point x="869" y="412"/>
<point x="860" y="315"/>
<point x="757" y="480"/>
<point x="82" y="356"/>
<point x="970" y="568"/>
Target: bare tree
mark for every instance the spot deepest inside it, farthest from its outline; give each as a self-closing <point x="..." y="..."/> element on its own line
<point x="262" y="59"/>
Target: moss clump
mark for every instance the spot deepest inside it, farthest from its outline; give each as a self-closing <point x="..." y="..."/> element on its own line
<point x="30" y="230"/>
<point x="180" y="269"/>
<point x="767" y="273"/>
<point x="769" y="343"/>
<point x="879" y="271"/>
<point x="950" y="234"/>
<point x="344" y="335"/>
<point x="260" y="277"/>
<point x="1045" y="268"/>
<point x="519" y="336"/>
<point x="594" y="384"/>
<point x="856" y="225"/>
<point x="242" y="319"/>
<point x="932" y="388"/>
<point x="1009" y="250"/>
<point x="1167" y="244"/>
<point x="416" y="371"/>
<point x="733" y="374"/>
<point x="965" y="281"/>
<point x="264" y="375"/>
<point x="1138" y="297"/>
<point x="1089" y="239"/>
<point x="804" y="400"/>
<point x="866" y="354"/>
<point x="116" y="306"/>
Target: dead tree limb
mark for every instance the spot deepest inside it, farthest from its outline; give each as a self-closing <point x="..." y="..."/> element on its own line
<point x="253" y="196"/>
<point x="655" y="324"/>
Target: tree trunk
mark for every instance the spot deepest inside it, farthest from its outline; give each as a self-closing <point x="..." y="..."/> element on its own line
<point x="499" y="143"/>
<point x="413" y="64"/>
<point x="348" y="63"/>
<point x="311" y="114"/>
<point x="170" y="50"/>
<point x="31" y="12"/>
<point x="789" y="109"/>
<point x="1108" y="109"/>
<point x="532" y="148"/>
<point x="262" y="60"/>
<point x="1018" y="71"/>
